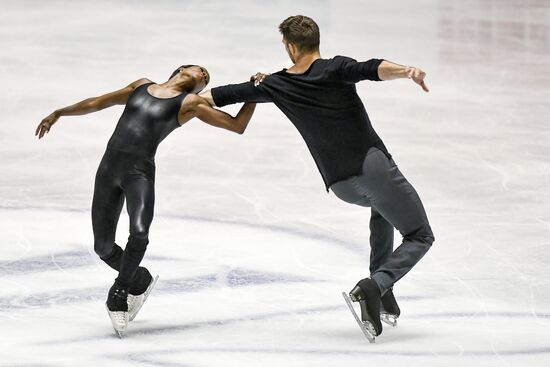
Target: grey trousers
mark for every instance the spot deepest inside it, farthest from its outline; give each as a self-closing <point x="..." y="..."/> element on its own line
<point x="394" y="203"/>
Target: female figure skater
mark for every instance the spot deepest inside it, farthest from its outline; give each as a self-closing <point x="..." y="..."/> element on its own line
<point x="127" y="171"/>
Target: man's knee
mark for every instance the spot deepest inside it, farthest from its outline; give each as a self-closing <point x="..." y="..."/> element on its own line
<point x="423" y="234"/>
<point x="428" y="235"/>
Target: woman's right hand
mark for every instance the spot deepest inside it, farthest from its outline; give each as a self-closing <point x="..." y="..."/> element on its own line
<point x="258" y="78"/>
<point x="45" y="125"/>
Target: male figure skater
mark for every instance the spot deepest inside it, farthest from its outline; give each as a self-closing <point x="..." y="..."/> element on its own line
<point x="127" y="171"/>
<point x="319" y="97"/>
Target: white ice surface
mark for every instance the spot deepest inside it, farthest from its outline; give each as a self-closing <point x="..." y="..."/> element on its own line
<point x="252" y="253"/>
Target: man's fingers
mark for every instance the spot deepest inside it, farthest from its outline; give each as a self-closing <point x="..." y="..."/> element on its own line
<point x="424" y="86"/>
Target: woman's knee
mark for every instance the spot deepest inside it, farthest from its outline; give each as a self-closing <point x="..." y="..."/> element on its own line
<point x="138" y="239"/>
<point x="103" y="248"/>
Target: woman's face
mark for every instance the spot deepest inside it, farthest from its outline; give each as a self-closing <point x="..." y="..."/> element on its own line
<point x="198" y="78"/>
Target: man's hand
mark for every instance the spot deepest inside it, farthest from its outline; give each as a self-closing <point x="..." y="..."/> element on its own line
<point x="44" y="126"/>
<point x="417" y="75"/>
<point x="388" y="70"/>
<point x="258" y="78"/>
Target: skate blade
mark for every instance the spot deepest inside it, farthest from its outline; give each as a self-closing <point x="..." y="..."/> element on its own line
<point x="389" y="319"/>
<point x="145" y="295"/>
<point x="119" y="333"/>
<point x="365" y="326"/>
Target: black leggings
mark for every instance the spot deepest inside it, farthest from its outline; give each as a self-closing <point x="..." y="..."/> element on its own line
<point x="123" y="175"/>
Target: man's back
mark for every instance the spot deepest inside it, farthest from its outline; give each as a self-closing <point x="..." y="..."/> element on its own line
<point x="323" y="104"/>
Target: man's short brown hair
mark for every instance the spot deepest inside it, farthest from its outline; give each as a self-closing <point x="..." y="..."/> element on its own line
<point x="301" y="31"/>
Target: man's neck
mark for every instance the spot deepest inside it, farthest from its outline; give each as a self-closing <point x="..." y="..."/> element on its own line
<point x="303" y="62"/>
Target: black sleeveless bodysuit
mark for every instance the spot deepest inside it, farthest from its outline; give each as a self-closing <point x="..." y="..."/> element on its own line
<point x="145" y="122"/>
<point x="127" y="171"/>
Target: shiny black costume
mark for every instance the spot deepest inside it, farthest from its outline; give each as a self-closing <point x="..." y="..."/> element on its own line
<point x="127" y="170"/>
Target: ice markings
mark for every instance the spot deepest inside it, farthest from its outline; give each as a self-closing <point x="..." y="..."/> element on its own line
<point x="69" y="259"/>
<point x="232" y="278"/>
<point x="63" y="260"/>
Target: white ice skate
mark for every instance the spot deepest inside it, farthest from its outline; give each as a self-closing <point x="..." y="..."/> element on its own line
<point x="389" y="318"/>
<point x="136" y="302"/>
<point x="119" y="319"/>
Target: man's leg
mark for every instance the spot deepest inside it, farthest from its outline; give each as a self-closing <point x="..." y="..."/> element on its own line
<point x="381" y="231"/>
<point x="398" y="203"/>
<point x="381" y="240"/>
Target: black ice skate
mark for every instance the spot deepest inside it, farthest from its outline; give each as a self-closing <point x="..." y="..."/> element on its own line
<point x="139" y="291"/>
<point x="117" y="308"/>
<point x="389" y="310"/>
<point x="367" y="294"/>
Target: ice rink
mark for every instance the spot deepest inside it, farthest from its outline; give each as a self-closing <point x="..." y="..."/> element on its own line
<point x="251" y="251"/>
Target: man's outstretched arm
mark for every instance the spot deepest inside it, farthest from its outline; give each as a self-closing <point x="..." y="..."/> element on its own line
<point x="388" y="70"/>
<point x="350" y="70"/>
<point x="236" y="93"/>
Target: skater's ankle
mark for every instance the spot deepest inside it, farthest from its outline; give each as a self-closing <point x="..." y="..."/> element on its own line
<point x="365" y="289"/>
<point x="140" y="282"/>
<point x="121" y="285"/>
<point x="369" y="287"/>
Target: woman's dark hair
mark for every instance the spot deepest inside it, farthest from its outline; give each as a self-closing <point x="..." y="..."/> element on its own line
<point x="188" y="66"/>
<point x="301" y="31"/>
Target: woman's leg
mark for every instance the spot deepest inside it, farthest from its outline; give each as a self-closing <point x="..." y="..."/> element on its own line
<point x="140" y="200"/>
<point x="106" y="207"/>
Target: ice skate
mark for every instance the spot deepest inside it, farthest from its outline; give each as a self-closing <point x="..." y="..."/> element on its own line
<point x="367" y="294"/>
<point x="117" y="308"/>
<point x="139" y="291"/>
<point x="389" y="310"/>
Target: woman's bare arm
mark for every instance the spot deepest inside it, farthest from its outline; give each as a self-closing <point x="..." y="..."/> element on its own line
<point x="89" y="105"/>
<point x="196" y="106"/>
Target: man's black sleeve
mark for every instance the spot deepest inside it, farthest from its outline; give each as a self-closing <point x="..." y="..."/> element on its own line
<point x="237" y="93"/>
<point x="351" y="70"/>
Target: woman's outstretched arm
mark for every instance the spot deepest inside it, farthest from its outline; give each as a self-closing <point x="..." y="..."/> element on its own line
<point x="89" y="105"/>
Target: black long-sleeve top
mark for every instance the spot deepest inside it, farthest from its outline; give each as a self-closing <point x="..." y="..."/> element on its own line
<point x="324" y="106"/>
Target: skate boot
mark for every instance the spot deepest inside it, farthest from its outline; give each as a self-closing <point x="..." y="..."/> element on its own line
<point x="367" y="294"/>
<point x="389" y="310"/>
<point x="117" y="308"/>
<point x="139" y="291"/>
